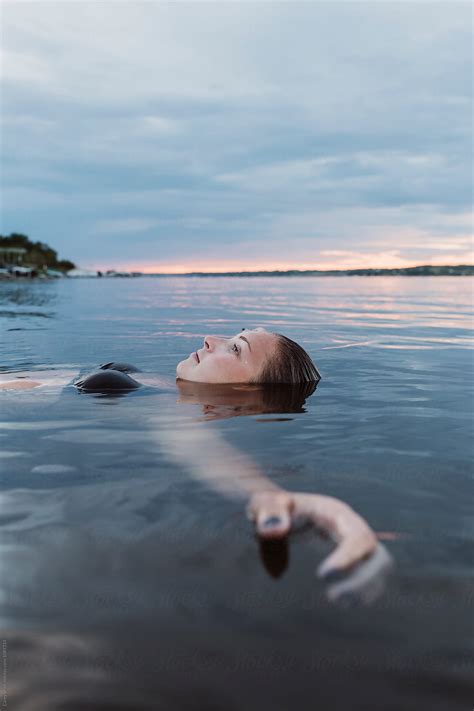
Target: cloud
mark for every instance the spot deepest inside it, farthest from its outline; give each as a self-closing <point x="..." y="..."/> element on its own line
<point x="196" y="130"/>
<point x="23" y="67"/>
<point x="128" y="225"/>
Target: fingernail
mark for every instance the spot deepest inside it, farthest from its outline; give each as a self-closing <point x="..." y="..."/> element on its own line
<point x="271" y="522"/>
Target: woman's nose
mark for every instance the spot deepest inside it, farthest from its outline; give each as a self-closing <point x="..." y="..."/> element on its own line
<point x="210" y="342"/>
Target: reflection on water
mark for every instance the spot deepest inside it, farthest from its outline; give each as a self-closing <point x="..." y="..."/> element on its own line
<point x="124" y="583"/>
<point x="218" y="402"/>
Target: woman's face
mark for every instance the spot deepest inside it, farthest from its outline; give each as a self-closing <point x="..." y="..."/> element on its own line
<point x="238" y="359"/>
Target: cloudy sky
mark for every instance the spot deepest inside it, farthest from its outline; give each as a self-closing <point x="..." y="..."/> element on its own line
<point x="238" y="135"/>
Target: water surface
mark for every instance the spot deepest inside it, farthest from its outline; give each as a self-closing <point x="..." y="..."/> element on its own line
<point x="126" y="584"/>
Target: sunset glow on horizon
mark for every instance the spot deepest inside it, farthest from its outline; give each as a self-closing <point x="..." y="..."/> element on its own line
<point x="375" y="261"/>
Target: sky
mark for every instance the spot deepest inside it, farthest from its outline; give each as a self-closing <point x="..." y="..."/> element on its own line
<point x="213" y="136"/>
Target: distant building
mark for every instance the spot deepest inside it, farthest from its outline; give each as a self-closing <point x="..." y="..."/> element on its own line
<point x="12" y="255"/>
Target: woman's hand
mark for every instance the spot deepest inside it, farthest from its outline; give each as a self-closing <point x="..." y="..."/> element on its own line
<point x="275" y="511"/>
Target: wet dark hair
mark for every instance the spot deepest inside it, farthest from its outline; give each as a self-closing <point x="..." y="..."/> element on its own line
<point x="289" y="364"/>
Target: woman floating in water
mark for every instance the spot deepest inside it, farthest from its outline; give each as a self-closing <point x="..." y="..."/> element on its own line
<point x="253" y="372"/>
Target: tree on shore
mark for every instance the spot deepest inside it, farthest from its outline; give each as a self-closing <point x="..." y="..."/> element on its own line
<point x="38" y="254"/>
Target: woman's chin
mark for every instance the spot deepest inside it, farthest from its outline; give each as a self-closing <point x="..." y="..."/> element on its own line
<point x="186" y="377"/>
<point x="181" y="370"/>
<point x="184" y="370"/>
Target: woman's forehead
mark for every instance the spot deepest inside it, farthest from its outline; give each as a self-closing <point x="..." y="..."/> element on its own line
<point x="260" y="340"/>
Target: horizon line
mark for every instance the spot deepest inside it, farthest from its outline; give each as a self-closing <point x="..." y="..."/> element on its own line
<point x="286" y="271"/>
<point x="221" y="267"/>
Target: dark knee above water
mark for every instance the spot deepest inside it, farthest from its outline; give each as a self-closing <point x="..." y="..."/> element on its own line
<point x="106" y="381"/>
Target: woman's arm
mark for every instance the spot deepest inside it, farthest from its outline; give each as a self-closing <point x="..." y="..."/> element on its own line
<point x="52" y="380"/>
<point x="208" y="458"/>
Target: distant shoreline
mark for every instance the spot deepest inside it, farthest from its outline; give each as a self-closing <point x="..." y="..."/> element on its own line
<point x="424" y="270"/>
<point x="16" y="272"/>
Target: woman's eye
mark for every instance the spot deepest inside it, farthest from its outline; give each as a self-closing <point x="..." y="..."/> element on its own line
<point x="236" y="349"/>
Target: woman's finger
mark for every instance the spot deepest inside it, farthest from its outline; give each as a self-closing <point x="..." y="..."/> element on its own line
<point x="271" y="513"/>
<point x="366" y="582"/>
<point x="349" y="551"/>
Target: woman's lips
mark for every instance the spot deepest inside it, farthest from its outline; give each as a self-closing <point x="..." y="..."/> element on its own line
<point x="195" y="355"/>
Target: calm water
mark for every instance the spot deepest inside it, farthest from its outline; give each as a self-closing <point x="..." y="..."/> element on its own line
<point x="126" y="584"/>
